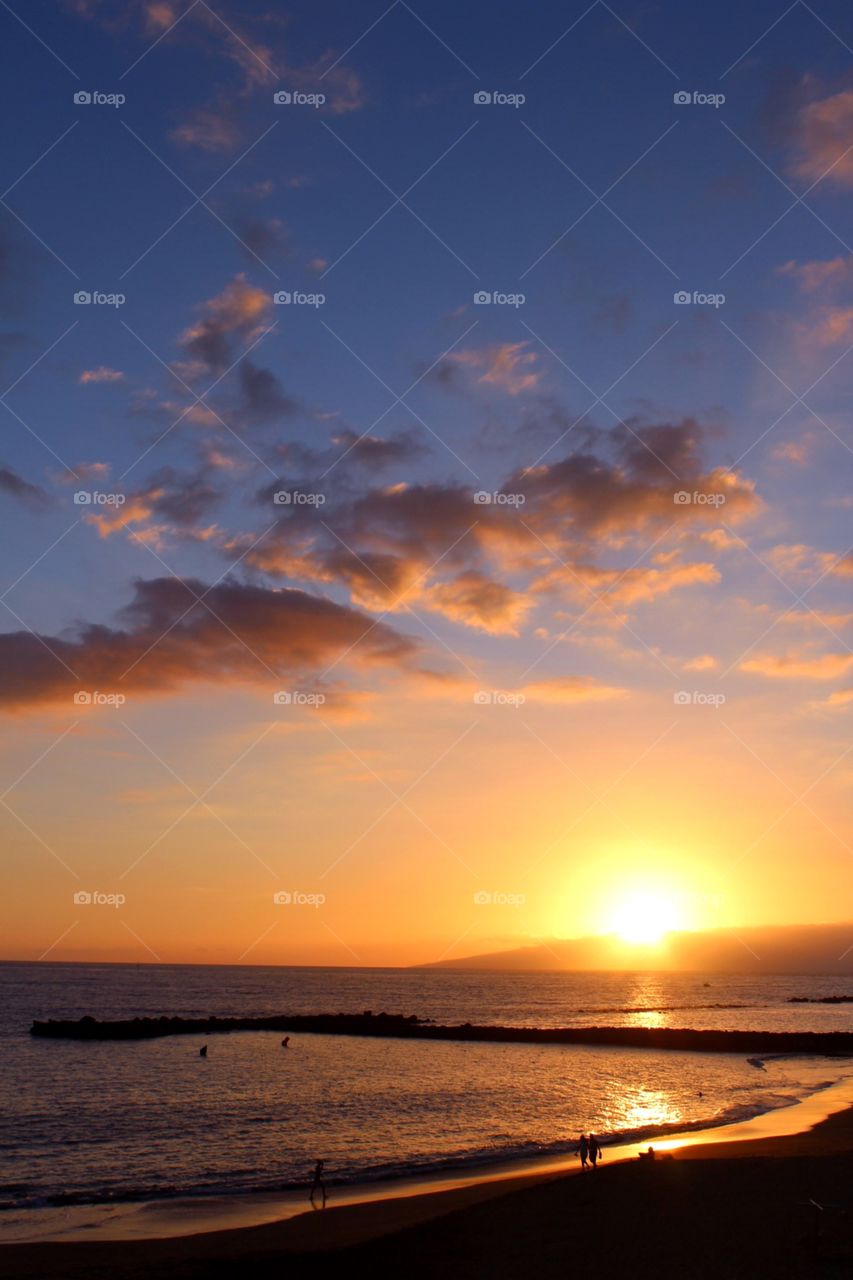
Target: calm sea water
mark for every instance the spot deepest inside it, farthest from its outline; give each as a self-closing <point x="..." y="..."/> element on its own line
<point x="94" y="1123"/>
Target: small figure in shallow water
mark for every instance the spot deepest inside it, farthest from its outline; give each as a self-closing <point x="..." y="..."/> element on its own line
<point x="583" y="1150"/>
<point x="202" y="1053"/>
<point x="318" y="1184"/>
<point x="285" y="1042"/>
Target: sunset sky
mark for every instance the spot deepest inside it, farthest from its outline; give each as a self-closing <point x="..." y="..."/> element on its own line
<point x="559" y="599"/>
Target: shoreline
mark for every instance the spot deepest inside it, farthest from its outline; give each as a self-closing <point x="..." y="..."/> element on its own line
<point x="765" y="1192"/>
<point x="199" y="1217"/>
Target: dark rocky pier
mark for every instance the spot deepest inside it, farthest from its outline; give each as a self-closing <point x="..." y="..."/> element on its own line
<point x="410" y="1027"/>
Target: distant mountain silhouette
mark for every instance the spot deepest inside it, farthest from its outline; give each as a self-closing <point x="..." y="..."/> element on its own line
<point x="825" y="948"/>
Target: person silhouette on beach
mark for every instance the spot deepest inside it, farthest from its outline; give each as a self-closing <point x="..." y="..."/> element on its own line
<point x="285" y="1042"/>
<point x="594" y="1150"/>
<point x="583" y="1150"/>
<point x="318" y="1184"/>
<point x="202" y="1053"/>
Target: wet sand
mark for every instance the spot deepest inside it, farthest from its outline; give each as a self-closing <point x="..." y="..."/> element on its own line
<point x="733" y="1208"/>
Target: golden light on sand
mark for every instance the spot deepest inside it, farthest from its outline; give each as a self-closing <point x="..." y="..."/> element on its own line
<point x="644" y="916"/>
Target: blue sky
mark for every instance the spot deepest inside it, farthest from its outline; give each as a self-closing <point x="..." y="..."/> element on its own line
<point x="597" y="398"/>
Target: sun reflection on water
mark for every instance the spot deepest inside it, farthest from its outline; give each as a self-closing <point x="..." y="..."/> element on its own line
<point x="644" y="1108"/>
<point x="654" y="1019"/>
<point x="645" y="992"/>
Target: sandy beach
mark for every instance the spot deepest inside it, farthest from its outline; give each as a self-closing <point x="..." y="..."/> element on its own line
<point x="747" y="1205"/>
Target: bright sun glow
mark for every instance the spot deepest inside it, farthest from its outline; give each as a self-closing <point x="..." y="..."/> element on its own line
<point x="644" y="917"/>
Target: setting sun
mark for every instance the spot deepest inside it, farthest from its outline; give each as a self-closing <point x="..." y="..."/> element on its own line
<point x="644" y="916"/>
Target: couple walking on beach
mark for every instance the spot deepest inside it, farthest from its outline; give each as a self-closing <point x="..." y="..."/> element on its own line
<point x="589" y="1150"/>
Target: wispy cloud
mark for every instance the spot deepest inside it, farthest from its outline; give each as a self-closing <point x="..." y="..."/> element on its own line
<point x="823" y="140"/>
<point x="802" y="666"/>
<point x="509" y="366"/>
<point x="13" y="484"/>
<point x="101" y="374"/>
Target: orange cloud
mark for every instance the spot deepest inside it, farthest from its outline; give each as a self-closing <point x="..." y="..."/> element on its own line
<point x="218" y="127"/>
<point x="628" y="587"/>
<point x="445" y="548"/>
<point x="799" y="452"/>
<point x="176" y="633"/>
<point x="85" y="471"/>
<point x="101" y="374"/>
<point x="135" y="510"/>
<point x="508" y="365"/>
<point x="342" y="86"/>
<point x="830" y="326"/>
<point x="825" y="666"/>
<point x="563" y="690"/>
<point x="209" y="128"/>
<point x="239" y="309"/>
<point x="813" y="619"/>
<point x="477" y="601"/>
<point x="658" y="477"/>
<point x="160" y="15"/>
<point x="180" y="501"/>
<point x="705" y="662"/>
<point x="823" y="138"/>
<point x="812" y="276"/>
<point x="721" y="539"/>
<point x="800" y="561"/>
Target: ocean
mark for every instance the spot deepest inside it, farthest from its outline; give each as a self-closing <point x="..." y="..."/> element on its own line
<point x="101" y="1123"/>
